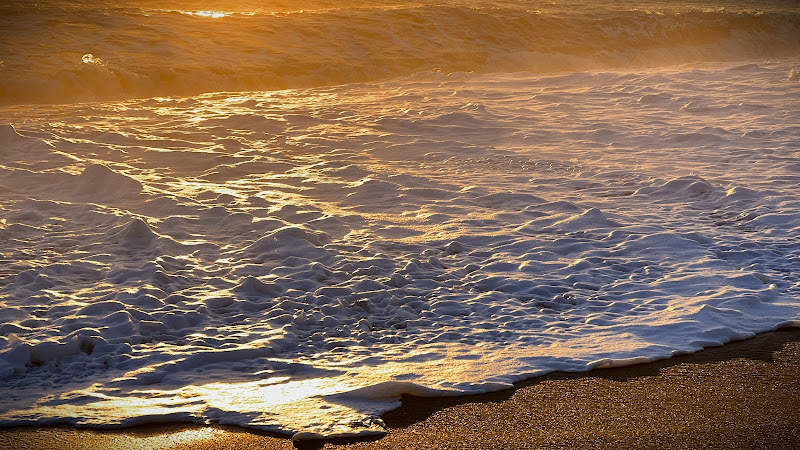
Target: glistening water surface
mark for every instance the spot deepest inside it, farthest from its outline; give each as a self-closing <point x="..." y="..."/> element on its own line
<point x="294" y="260"/>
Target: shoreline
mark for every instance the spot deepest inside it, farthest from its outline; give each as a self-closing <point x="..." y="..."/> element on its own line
<point x="740" y="395"/>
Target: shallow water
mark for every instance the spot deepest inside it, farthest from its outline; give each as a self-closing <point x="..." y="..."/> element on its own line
<point x="294" y="260"/>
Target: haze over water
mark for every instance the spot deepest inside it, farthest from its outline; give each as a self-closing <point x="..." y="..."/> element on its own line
<point x="64" y="51"/>
<point x="284" y="215"/>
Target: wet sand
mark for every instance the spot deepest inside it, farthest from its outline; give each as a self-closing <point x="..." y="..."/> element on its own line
<point x="742" y="395"/>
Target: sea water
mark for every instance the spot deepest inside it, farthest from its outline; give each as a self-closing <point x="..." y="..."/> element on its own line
<point x="284" y="216"/>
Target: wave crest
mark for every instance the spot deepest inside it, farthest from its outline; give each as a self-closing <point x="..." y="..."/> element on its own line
<point x="164" y="53"/>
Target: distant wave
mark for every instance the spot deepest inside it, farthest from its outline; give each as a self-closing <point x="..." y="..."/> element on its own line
<point x="57" y="54"/>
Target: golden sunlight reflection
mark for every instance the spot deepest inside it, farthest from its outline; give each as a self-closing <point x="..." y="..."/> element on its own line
<point x="169" y="437"/>
<point x="185" y="436"/>
<point x="209" y="14"/>
<point x="257" y="394"/>
<point x="285" y="216"/>
<point x="271" y="394"/>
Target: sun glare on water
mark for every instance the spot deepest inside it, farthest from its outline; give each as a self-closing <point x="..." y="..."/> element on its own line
<point x="285" y="216"/>
<point x="209" y="14"/>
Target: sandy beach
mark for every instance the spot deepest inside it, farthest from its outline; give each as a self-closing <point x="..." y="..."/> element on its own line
<point x="742" y="395"/>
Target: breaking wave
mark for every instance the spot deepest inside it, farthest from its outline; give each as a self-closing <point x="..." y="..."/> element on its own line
<point x="61" y="52"/>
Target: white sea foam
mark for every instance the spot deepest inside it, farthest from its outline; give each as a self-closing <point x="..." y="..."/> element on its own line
<point x="297" y="260"/>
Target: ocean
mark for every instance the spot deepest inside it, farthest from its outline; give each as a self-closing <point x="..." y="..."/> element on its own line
<point x="286" y="215"/>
